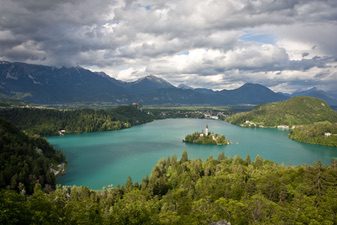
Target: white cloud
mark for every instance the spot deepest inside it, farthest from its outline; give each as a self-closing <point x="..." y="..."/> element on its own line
<point x="199" y="42"/>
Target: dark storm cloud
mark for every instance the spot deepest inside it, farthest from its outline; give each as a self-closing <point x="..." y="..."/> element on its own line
<point x="201" y="43"/>
<point x="59" y="29"/>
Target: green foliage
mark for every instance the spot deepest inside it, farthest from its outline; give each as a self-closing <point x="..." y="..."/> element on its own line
<point x="311" y="117"/>
<point x="184" y="156"/>
<point x="51" y="121"/>
<point x="295" y="111"/>
<point x="14" y="209"/>
<point x="191" y="192"/>
<point x="316" y="133"/>
<point x="25" y="161"/>
<point x="210" y="139"/>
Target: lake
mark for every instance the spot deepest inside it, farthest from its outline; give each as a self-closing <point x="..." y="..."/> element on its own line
<point x="102" y="158"/>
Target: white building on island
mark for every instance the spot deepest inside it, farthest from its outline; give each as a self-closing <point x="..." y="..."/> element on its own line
<point x="206" y="130"/>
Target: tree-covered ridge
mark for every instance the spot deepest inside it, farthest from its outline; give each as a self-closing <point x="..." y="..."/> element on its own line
<point x="50" y="121"/>
<point x="210" y="139"/>
<point x="191" y="192"/>
<point x="295" y="111"/>
<point x="322" y="133"/>
<point x="25" y="161"/>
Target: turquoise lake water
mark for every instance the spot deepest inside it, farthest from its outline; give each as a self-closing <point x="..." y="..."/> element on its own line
<point x="99" y="159"/>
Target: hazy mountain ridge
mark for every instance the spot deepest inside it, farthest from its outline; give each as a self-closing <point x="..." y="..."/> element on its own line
<point x="250" y="93"/>
<point x="45" y="84"/>
<point x="315" y="92"/>
<point x="184" y="86"/>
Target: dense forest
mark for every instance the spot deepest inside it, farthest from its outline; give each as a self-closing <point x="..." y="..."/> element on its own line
<point x="239" y="191"/>
<point x="178" y="191"/>
<point x="322" y="133"/>
<point x="25" y="160"/>
<point x="295" y="111"/>
<point x="50" y="121"/>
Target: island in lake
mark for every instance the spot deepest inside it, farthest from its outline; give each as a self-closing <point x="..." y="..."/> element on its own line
<point x="206" y="138"/>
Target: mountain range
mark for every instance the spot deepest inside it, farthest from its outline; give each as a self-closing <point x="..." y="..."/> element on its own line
<point x="53" y="85"/>
<point x="315" y="92"/>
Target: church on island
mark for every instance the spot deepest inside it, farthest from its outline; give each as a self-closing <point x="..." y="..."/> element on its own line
<point x="205" y="132"/>
<point x="206" y="137"/>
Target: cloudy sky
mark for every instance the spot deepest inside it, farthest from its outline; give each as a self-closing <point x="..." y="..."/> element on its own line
<point x="284" y="44"/>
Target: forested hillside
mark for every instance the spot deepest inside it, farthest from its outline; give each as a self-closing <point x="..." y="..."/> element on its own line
<point x="191" y="192"/>
<point x="25" y="161"/>
<point x="295" y="111"/>
<point x="51" y="121"/>
<point x="322" y="133"/>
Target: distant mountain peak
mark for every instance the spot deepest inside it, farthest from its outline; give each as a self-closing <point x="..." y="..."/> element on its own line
<point x="102" y="74"/>
<point x="154" y="78"/>
<point x="314" y="89"/>
<point x="318" y="93"/>
<point x="154" y="81"/>
<point x="4" y="62"/>
<point x="310" y="90"/>
<point x="184" y="86"/>
<point x="249" y="84"/>
<point x="253" y="85"/>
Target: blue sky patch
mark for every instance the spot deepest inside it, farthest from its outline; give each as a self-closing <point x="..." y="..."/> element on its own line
<point x="260" y="38"/>
<point x="184" y="52"/>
